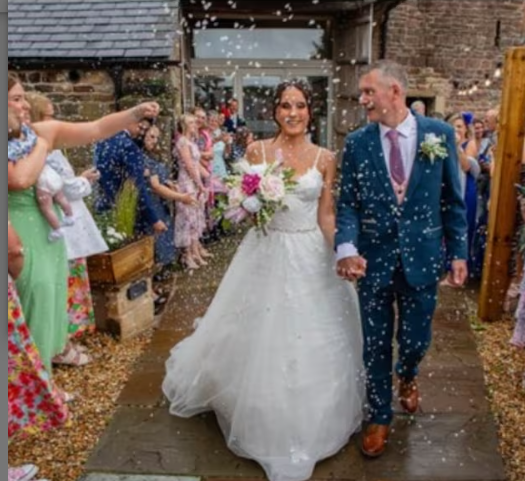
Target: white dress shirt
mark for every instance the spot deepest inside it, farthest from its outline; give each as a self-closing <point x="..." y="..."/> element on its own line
<point x="408" y="145"/>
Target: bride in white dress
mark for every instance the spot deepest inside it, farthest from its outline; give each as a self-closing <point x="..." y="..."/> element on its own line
<point x="278" y="355"/>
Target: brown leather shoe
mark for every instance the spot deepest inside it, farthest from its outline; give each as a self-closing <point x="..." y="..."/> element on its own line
<point x="409" y="396"/>
<point x="374" y="440"/>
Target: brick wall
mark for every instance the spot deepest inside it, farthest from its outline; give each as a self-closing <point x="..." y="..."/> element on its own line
<point x="80" y="95"/>
<point x="449" y="46"/>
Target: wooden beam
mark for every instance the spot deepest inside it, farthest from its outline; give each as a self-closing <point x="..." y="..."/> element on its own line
<point x="503" y="198"/>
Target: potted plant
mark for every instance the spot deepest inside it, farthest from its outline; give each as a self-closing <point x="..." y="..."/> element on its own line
<point x="128" y="258"/>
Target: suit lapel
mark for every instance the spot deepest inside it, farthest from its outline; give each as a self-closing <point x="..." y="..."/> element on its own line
<point x="378" y="158"/>
<point x="418" y="167"/>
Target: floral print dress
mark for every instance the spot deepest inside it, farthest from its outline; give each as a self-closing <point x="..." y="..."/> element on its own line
<point x="80" y="308"/>
<point x="189" y="220"/>
<point x="33" y="403"/>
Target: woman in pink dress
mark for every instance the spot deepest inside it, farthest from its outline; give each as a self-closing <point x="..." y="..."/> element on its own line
<point x="189" y="220"/>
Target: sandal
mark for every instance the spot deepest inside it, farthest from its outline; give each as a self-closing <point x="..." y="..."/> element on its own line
<point x="67" y="397"/>
<point x="22" y="473"/>
<point x="80" y="347"/>
<point x="72" y="356"/>
<point x="160" y="303"/>
<point x="64" y="395"/>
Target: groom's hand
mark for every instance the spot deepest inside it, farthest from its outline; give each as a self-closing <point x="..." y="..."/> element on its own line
<point x="458" y="274"/>
<point x="351" y="268"/>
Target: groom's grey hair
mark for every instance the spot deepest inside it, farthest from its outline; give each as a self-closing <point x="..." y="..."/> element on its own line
<point x="391" y="70"/>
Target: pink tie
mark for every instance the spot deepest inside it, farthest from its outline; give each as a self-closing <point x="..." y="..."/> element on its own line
<point x="397" y="170"/>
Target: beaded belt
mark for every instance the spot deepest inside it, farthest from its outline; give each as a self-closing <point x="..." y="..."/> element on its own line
<point x="295" y="231"/>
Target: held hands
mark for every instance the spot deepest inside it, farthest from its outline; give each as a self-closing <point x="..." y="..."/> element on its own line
<point x="146" y="110"/>
<point x="351" y="268"/>
<point x="458" y="273"/>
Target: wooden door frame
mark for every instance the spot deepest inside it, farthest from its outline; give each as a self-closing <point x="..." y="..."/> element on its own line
<point x="503" y="201"/>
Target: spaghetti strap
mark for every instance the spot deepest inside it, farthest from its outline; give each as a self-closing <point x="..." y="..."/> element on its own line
<point x="263" y="151"/>
<point x="317" y="157"/>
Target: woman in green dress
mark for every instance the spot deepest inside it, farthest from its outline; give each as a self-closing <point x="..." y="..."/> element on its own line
<point x="42" y="285"/>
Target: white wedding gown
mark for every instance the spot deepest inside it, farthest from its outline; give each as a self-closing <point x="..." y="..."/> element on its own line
<point x="278" y="354"/>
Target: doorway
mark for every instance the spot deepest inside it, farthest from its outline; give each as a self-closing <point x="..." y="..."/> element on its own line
<point x="254" y="87"/>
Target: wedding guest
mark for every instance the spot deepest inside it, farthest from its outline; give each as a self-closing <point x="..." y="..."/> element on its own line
<point x="469" y="171"/>
<point x="204" y="142"/>
<point x="163" y="193"/>
<point x="49" y="187"/>
<point x="233" y="119"/>
<point x="418" y="107"/>
<point x="222" y="144"/>
<point x="42" y="285"/>
<point x="484" y="157"/>
<point x="243" y="138"/>
<point x="118" y="159"/>
<point x="518" y="337"/>
<point x="33" y="403"/>
<point x="190" y="220"/>
<point x="83" y="239"/>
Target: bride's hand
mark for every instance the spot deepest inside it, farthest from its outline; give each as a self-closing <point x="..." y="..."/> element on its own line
<point x="351" y="268"/>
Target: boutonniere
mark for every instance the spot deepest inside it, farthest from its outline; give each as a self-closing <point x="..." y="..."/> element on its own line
<point x="433" y="147"/>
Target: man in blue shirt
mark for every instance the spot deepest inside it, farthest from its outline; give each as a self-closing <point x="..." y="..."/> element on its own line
<point x="117" y="159"/>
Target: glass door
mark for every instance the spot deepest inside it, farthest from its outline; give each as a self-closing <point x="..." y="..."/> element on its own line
<point x="254" y="88"/>
<point x="258" y="92"/>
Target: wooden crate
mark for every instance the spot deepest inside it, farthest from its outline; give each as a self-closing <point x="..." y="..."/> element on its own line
<point x="116" y="313"/>
<point x="134" y="322"/>
<point x="118" y="301"/>
<point x="122" y="265"/>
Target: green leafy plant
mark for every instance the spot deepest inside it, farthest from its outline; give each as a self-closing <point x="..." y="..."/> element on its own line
<point x="118" y="225"/>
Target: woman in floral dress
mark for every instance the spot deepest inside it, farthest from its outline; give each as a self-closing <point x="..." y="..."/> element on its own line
<point x="189" y="220"/>
<point x="33" y="402"/>
<point x="518" y="338"/>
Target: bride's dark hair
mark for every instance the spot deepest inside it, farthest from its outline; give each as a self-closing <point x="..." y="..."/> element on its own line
<point x="304" y="88"/>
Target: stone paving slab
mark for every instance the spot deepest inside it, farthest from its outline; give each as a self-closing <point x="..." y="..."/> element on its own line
<point x="452" y="438"/>
<point x="133" y="477"/>
<point x="444" y="447"/>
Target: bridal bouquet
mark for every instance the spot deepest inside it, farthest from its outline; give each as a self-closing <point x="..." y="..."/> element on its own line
<point x="255" y="192"/>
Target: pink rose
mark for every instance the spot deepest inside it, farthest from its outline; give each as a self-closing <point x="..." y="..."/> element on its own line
<point x="272" y="188"/>
<point x="250" y="183"/>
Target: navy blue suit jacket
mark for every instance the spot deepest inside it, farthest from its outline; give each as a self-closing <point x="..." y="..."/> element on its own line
<point x="119" y="158"/>
<point x="231" y="127"/>
<point x="386" y="233"/>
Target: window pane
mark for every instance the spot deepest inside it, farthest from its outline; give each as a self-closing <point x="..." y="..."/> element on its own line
<point x="292" y="43"/>
<point x="212" y="92"/>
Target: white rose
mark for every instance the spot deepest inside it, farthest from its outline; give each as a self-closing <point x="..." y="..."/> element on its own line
<point x="235" y="197"/>
<point x="272" y="188"/>
<point x="252" y="204"/>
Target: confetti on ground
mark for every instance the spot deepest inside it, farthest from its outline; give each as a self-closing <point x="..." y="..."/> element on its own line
<point x="504" y="366"/>
<point x="62" y="453"/>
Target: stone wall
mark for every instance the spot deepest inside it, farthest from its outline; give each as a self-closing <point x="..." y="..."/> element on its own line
<point x="453" y="47"/>
<point x="82" y="95"/>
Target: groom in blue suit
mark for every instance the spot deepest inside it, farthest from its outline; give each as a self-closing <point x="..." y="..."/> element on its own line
<point x="400" y="200"/>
